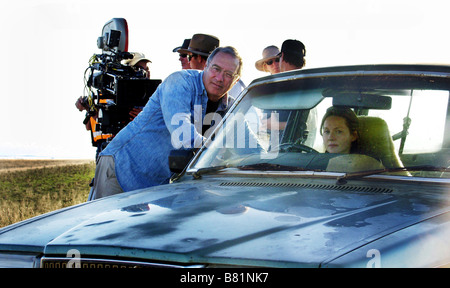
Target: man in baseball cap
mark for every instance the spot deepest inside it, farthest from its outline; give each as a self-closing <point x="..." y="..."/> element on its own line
<point x="292" y="55"/>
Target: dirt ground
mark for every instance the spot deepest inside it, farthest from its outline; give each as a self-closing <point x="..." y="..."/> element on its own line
<point x="11" y="165"/>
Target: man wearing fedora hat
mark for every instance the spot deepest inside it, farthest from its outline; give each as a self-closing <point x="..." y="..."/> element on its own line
<point x="200" y="47"/>
<point x="292" y="55"/>
<point x="138" y="156"/>
<point x="183" y="56"/>
<point x="270" y="60"/>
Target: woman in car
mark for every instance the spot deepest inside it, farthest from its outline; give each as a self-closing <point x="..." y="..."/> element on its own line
<point x="339" y="130"/>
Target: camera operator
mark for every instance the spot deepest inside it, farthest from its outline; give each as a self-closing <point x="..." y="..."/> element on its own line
<point x="99" y="139"/>
<point x="139" y="63"/>
<point x="139" y="154"/>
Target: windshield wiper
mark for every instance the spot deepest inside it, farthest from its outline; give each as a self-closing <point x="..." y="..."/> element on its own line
<point x="259" y="167"/>
<point x="341" y="180"/>
<point x="202" y="171"/>
<point x="271" y="167"/>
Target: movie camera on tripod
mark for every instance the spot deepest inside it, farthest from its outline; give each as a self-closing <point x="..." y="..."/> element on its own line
<point x="114" y="89"/>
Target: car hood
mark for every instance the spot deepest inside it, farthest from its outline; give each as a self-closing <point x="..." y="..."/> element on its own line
<point x="250" y="222"/>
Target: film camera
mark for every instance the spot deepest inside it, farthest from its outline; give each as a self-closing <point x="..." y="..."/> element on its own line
<point x="113" y="88"/>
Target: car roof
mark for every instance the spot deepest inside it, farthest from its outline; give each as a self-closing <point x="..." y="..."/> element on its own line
<point x="381" y="68"/>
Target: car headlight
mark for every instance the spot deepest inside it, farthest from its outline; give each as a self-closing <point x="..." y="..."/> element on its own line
<point x="18" y="261"/>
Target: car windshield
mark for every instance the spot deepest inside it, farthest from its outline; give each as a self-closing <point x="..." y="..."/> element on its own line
<point x="277" y="125"/>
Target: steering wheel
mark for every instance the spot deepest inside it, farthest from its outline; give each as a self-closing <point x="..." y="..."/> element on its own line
<point x="296" y="147"/>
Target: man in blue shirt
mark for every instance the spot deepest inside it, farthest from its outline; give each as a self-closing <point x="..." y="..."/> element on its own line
<point x="138" y="155"/>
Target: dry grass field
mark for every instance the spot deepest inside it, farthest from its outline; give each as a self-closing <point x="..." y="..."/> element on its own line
<point x="11" y="165"/>
<point x="33" y="187"/>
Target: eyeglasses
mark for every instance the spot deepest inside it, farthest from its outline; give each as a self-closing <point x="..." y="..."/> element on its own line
<point x="217" y="70"/>
<point x="183" y="55"/>
<point x="270" y="62"/>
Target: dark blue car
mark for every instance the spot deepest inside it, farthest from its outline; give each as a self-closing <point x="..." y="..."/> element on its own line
<point x="263" y="191"/>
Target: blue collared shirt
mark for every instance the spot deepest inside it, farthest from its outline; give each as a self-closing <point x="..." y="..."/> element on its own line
<point x="168" y="121"/>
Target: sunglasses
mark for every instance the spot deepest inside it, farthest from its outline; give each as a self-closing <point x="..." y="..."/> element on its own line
<point x="183" y="55"/>
<point x="270" y="62"/>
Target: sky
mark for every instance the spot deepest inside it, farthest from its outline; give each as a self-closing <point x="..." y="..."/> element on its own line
<point x="46" y="46"/>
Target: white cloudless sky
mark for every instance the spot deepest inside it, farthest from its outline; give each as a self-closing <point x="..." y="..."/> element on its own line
<point x="46" y="45"/>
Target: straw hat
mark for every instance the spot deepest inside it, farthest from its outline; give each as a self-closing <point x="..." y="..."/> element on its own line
<point x="268" y="53"/>
<point x="201" y="44"/>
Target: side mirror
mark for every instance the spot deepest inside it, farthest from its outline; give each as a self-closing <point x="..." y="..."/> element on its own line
<point x="179" y="159"/>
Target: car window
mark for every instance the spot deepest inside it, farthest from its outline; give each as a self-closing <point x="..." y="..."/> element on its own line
<point x="402" y="124"/>
<point x="425" y="111"/>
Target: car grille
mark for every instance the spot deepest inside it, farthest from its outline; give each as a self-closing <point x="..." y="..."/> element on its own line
<point x="55" y="262"/>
